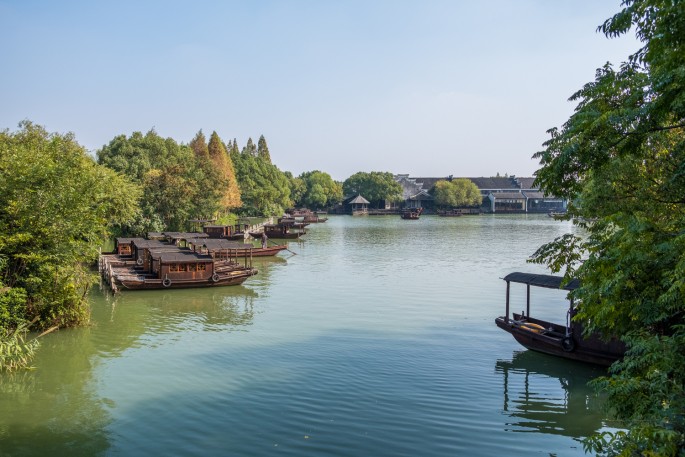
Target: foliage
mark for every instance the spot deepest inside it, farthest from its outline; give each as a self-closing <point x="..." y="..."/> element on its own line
<point x="620" y="160"/>
<point x="297" y="188"/>
<point x="56" y="208"/>
<point x="224" y="165"/>
<point x="263" y="150"/>
<point x="457" y="192"/>
<point x="265" y="189"/>
<point x="377" y="187"/>
<point x="16" y="351"/>
<point x="320" y="191"/>
<point x="176" y="184"/>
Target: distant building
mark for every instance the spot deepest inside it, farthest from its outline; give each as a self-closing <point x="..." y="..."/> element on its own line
<point x="413" y="193"/>
<point x="359" y="206"/>
<point x="508" y="194"/>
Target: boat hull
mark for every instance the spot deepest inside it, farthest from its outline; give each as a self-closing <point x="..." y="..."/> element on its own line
<point x="230" y="278"/>
<point x="550" y="338"/>
<point x="278" y="235"/>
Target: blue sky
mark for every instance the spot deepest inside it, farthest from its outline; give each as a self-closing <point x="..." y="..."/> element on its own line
<point x="429" y="88"/>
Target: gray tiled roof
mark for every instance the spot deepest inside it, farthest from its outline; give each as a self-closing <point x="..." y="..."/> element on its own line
<point x="359" y="199"/>
<point x="509" y="195"/>
<point x="483" y="183"/>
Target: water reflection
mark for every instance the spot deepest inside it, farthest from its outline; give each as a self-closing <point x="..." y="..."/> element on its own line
<point x="544" y="394"/>
<point x="72" y="418"/>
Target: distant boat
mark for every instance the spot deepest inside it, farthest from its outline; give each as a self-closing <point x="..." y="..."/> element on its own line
<point x="565" y="341"/>
<point x="411" y="213"/>
<point x="280" y="231"/>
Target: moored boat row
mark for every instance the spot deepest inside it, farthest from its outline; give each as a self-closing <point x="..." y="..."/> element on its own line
<point x="179" y="260"/>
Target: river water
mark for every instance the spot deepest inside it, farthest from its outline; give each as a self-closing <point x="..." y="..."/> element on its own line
<point x="376" y="339"/>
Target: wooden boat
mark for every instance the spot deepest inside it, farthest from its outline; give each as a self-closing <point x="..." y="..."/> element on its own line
<point x="180" y="269"/>
<point x="292" y="222"/>
<point x="566" y="340"/>
<point x="307" y="215"/>
<point x="223" y="248"/>
<point x="411" y="213"/>
<point x="280" y="231"/>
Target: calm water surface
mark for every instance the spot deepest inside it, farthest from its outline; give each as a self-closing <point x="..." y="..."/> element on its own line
<point x="376" y="339"/>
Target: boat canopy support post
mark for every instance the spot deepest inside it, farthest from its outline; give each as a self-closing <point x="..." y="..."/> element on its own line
<point x="569" y="316"/>
<point x="506" y="316"/>
<point x="528" y="300"/>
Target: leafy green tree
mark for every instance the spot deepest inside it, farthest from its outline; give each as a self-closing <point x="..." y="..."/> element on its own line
<point x="444" y="194"/>
<point x="377" y="187"/>
<point x="620" y="159"/>
<point x="56" y="209"/>
<point x="265" y="189"/>
<point x="297" y="188"/>
<point x="320" y="190"/>
<point x="458" y="192"/>
<point x="177" y="184"/>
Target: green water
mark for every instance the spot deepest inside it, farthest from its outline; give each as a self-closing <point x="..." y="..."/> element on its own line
<point x="376" y="339"/>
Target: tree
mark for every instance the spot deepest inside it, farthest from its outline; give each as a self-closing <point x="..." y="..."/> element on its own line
<point x="620" y="159"/>
<point x="297" y="188"/>
<point x="444" y="194"/>
<point x="320" y="191"/>
<point x="57" y="207"/>
<point x="199" y="146"/>
<point x="458" y="192"/>
<point x="263" y="150"/>
<point x="224" y="165"/>
<point x="177" y="184"/>
<point x="376" y="186"/>
<point x="265" y="189"/>
<point x="249" y="149"/>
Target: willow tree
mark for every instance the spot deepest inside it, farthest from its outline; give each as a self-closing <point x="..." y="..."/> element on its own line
<point x="620" y="160"/>
<point x="458" y="192"/>
<point x="224" y="165"/>
<point x="56" y="210"/>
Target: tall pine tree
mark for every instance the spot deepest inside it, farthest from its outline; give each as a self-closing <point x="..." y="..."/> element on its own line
<point x="263" y="150"/>
<point x="224" y="165"/>
<point x="199" y="146"/>
<point x="250" y="148"/>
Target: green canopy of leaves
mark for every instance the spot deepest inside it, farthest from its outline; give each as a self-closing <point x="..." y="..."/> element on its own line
<point x="620" y="160"/>
<point x="377" y="187"/>
<point x="265" y="190"/>
<point x="320" y="190"/>
<point x="457" y="192"/>
<point x="179" y="182"/>
<point x="56" y="209"/>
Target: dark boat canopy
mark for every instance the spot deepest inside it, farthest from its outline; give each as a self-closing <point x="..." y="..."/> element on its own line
<point x="548" y="281"/>
<point x="182" y="257"/>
